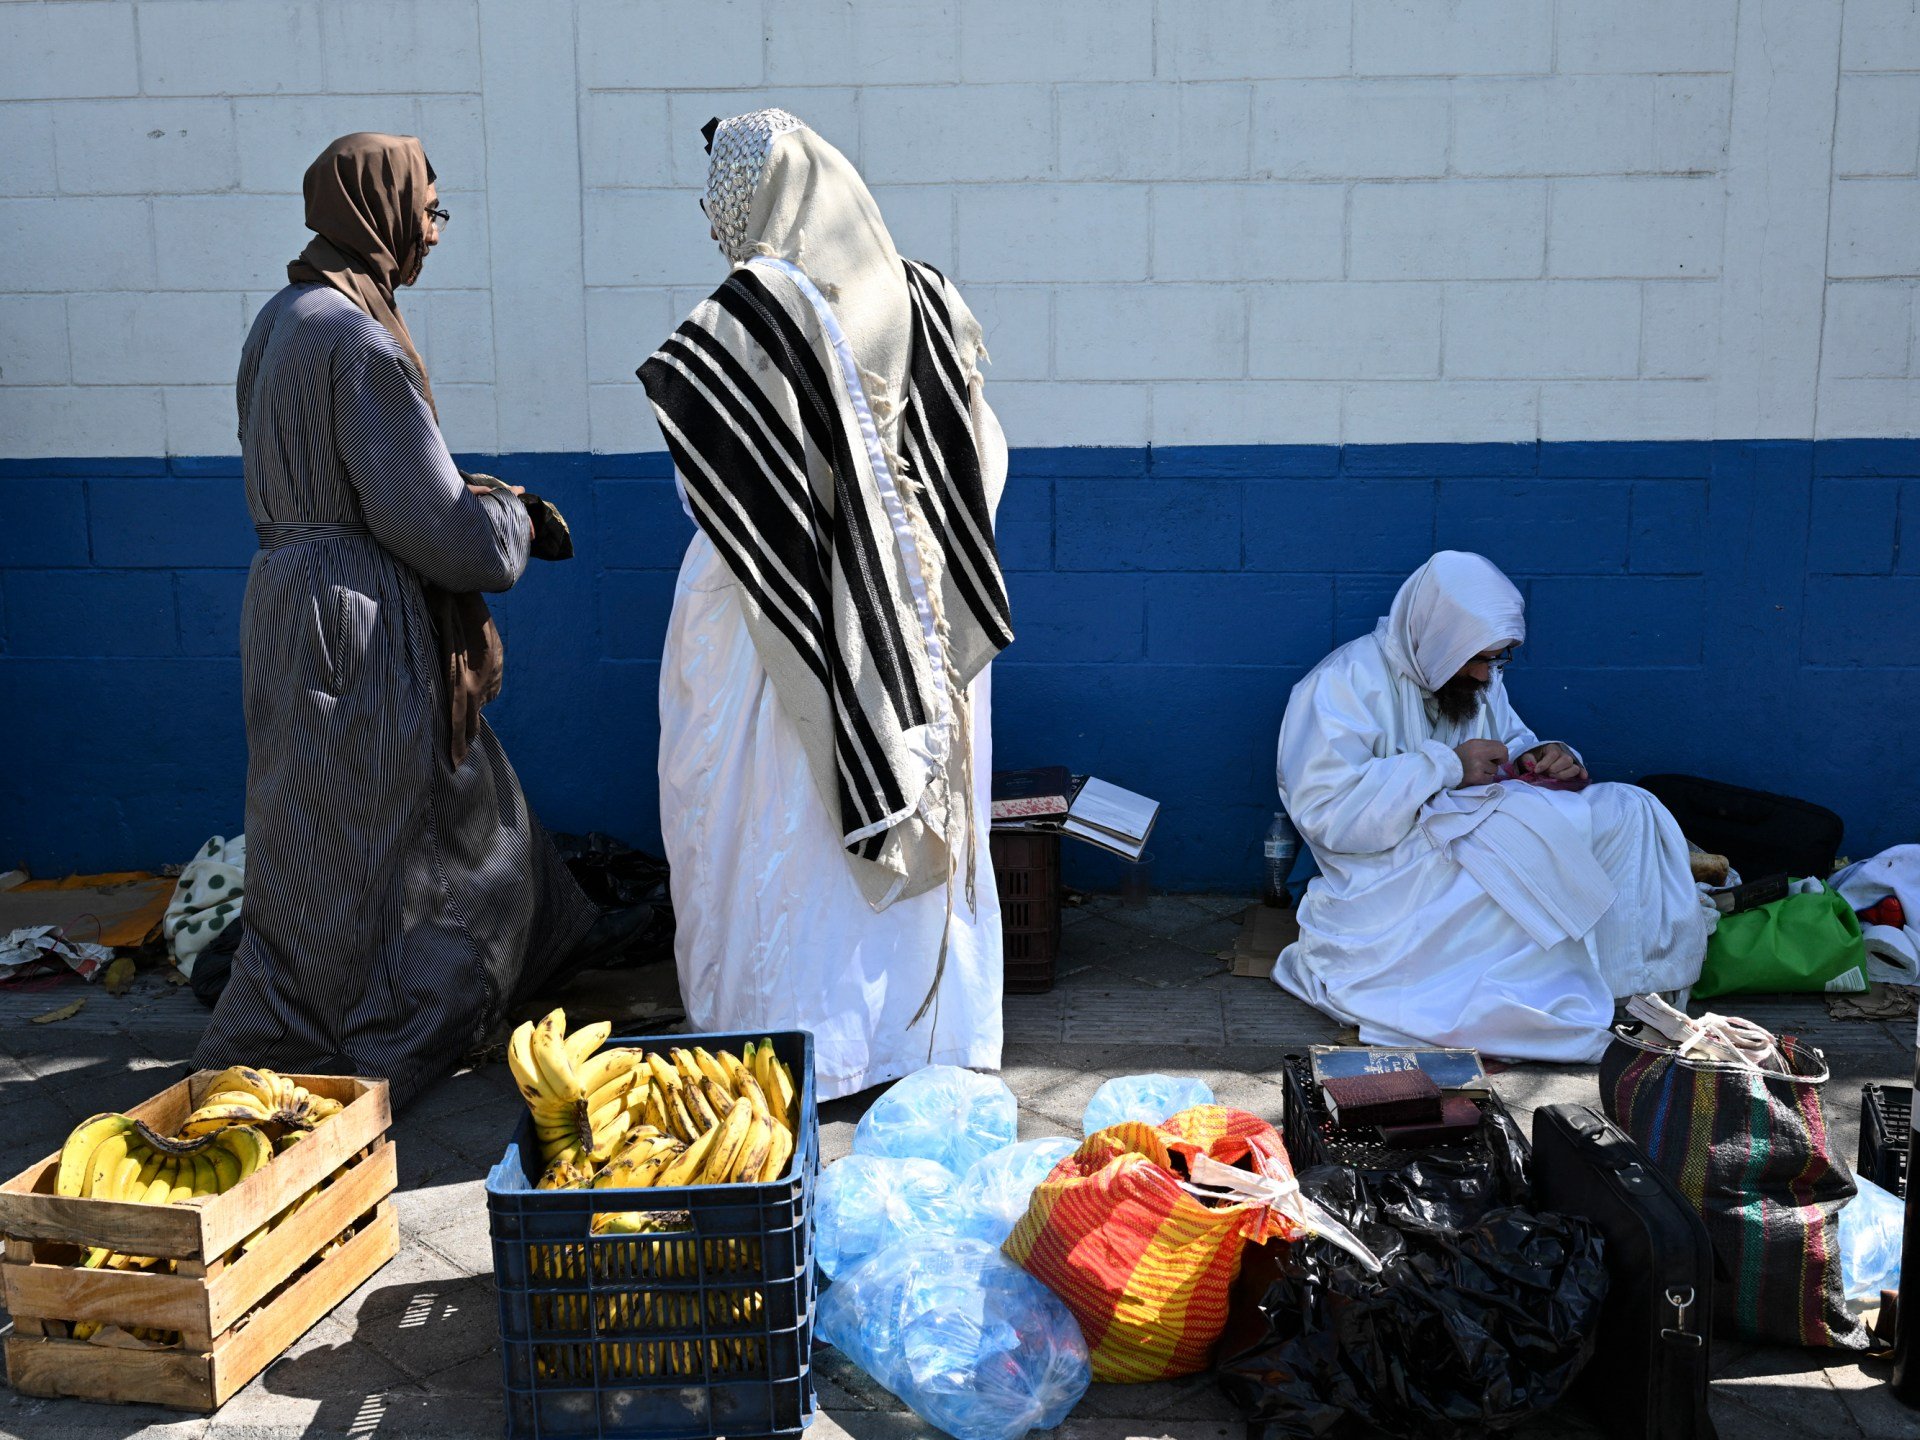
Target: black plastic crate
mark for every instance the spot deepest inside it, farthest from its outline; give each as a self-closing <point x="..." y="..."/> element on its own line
<point x="700" y="1329"/>
<point x="1886" y="1120"/>
<point x="1312" y="1138"/>
<point x="1026" y="873"/>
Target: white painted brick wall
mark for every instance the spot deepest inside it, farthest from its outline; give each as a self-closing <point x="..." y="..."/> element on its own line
<point x="1181" y="221"/>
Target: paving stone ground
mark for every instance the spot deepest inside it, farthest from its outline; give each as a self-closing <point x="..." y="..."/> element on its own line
<point x="412" y="1353"/>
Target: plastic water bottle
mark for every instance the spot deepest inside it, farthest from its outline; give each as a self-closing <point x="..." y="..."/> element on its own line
<point x="1283" y="843"/>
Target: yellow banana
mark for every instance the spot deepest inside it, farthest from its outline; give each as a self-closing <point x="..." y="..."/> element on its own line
<point x="735" y="1068"/>
<point x="725" y="1153"/>
<point x="607" y="1140"/>
<point x="226" y="1168"/>
<point x="566" y="1173"/>
<point x="557" y="1078"/>
<point x="655" y="1110"/>
<point x="688" y="1162"/>
<point x="180" y="1171"/>
<point x="701" y="1108"/>
<point x="76" y="1156"/>
<point x="526" y="1075"/>
<point x="684" y="1119"/>
<point x="587" y="1039"/>
<point x="751" y="1092"/>
<point x="688" y="1067"/>
<point x="247" y="1145"/>
<point x="665" y="1076"/>
<point x="636" y="1171"/>
<point x="246" y="1080"/>
<point x="153" y="1187"/>
<point x="778" y="1155"/>
<point x="711" y="1068"/>
<point x="104" y="1173"/>
<point x="206" y="1179"/>
<point x="610" y="1070"/>
<point x="752" y="1158"/>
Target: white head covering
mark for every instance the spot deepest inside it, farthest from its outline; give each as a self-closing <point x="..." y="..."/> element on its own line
<point x="1450" y="609"/>
<point x="774" y="187"/>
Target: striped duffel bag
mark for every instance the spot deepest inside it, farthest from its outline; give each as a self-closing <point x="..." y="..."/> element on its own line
<point x="1750" y="1149"/>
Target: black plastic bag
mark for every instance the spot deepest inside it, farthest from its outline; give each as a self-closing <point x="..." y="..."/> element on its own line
<point x="615" y="876"/>
<point x="1463" y="1331"/>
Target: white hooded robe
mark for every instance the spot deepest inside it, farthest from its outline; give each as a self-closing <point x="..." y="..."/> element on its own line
<point x="1396" y="936"/>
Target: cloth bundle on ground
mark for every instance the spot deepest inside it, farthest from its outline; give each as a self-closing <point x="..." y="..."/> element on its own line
<point x="206" y="900"/>
<point x="1467" y="1329"/>
<point x="1893" y="950"/>
<point x="1120" y="1232"/>
<point x="1750" y="1149"/>
<point x="1808" y="941"/>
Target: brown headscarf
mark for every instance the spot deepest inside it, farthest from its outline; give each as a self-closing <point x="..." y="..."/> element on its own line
<point x="366" y="203"/>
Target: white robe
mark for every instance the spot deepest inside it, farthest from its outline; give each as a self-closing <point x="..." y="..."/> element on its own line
<point x="772" y="931"/>
<point x="1397" y="938"/>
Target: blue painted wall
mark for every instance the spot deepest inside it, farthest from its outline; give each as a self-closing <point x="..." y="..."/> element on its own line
<point x="1746" y="610"/>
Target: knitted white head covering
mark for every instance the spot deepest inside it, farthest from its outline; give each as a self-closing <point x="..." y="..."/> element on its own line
<point x="776" y="187"/>
<point x="1450" y="610"/>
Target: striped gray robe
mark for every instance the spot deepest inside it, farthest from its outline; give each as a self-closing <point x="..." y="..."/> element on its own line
<point x="395" y="907"/>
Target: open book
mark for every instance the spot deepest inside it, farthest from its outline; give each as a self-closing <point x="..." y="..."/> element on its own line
<point x="1112" y="818"/>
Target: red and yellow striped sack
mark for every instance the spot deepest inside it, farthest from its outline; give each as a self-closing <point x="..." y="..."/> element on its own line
<point x="1144" y="1265"/>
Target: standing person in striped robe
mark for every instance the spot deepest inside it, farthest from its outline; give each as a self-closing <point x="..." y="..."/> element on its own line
<point x="400" y="894"/>
<point x="824" y="706"/>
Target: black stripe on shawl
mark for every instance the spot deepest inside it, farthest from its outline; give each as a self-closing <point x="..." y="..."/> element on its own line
<point x="949" y="460"/>
<point x="855" y="547"/>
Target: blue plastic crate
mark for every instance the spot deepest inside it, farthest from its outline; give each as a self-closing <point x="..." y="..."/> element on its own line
<point x="699" y="1330"/>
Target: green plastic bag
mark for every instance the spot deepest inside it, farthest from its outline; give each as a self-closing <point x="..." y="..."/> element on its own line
<point x="1804" y="942"/>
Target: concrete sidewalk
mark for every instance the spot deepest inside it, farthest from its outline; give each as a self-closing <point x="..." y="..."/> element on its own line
<point x="413" y="1352"/>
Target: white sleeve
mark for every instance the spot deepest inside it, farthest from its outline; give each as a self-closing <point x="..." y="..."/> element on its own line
<point x="1341" y="792"/>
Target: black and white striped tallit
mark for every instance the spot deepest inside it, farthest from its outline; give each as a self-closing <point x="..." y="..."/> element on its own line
<point x="767" y="441"/>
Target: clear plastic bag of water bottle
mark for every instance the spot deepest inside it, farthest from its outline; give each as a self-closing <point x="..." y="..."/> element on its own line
<point x="1871" y="1225"/>
<point x="995" y="1193"/>
<point x="1146" y="1098"/>
<point x="867" y="1202"/>
<point x="944" y="1114"/>
<point x="972" y="1343"/>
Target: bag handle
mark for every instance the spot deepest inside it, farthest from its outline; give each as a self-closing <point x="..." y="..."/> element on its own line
<point x="1270" y="1192"/>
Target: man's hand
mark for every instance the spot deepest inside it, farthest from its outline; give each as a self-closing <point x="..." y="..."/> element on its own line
<point x="1552" y="760"/>
<point x="1479" y="759"/>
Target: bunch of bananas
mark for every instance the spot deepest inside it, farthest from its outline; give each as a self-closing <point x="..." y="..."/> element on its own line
<point x="636" y="1119"/>
<point x="247" y="1116"/>
<point x="630" y="1119"/>
<point x="245" y="1096"/>
<point x="115" y="1157"/>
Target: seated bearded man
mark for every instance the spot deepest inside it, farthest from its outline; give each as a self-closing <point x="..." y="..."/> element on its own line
<point x="1456" y="906"/>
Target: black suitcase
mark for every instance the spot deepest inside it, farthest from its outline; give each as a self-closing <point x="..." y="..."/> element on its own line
<point x="1761" y="834"/>
<point x="1648" y="1376"/>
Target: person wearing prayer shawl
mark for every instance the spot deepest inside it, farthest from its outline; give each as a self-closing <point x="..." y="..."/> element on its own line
<point x="1455" y="905"/>
<point x="400" y="893"/>
<point x="824" y="748"/>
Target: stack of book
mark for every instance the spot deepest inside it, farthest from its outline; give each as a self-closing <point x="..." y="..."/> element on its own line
<point x="1082" y="806"/>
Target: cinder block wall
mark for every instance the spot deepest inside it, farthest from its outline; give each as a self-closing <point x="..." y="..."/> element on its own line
<point x="1280" y="296"/>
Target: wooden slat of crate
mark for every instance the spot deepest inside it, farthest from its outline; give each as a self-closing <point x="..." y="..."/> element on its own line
<point x="206" y="1228"/>
<point x="203" y="1381"/>
<point x="203" y="1307"/>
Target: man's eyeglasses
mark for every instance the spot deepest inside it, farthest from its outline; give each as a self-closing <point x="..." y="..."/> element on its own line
<point x="439" y="216"/>
<point x="1498" y="660"/>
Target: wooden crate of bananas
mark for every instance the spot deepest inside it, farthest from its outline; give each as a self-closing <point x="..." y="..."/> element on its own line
<point x="164" y="1256"/>
<point x="652" y="1236"/>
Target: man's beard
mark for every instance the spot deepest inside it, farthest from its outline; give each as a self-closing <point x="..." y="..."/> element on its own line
<point x="1459" y="699"/>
